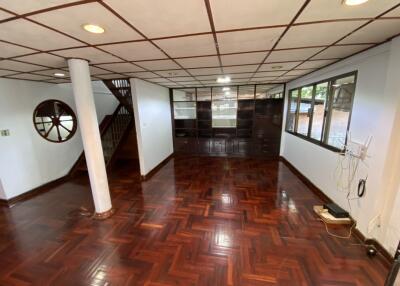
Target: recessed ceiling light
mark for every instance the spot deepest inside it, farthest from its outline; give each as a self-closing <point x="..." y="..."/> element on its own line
<point x="59" y="74"/>
<point x="93" y="29"/>
<point x="224" y="79"/>
<point x="276" y="67"/>
<point x="354" y="2"/>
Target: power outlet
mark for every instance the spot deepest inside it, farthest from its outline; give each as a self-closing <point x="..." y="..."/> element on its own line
<point x="5" y="132"/>
<point x="375" y="222"/>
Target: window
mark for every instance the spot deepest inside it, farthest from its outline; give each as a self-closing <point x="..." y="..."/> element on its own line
<point x="224" y="107"/>
<point x="342" y="98"/>
<point x="321" y="97"/>
<point x="55" y="121"/>
<point x="293" y="106"/>
<point x="321" y="111"/>
<point x="184" y="103"/>
<point x="304" y="110"/>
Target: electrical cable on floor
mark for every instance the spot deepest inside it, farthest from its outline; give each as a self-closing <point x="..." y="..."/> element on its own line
<point x="339" y="236"/>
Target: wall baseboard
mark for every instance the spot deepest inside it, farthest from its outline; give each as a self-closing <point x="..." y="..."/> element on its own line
<point x="383" y="254"/>
<point x="34" y="192"/>
<point x="157" y="168"/>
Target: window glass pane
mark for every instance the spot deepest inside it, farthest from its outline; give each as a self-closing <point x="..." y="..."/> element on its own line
<point x="246" y="92"/>
<point x="304" y="110"/>
<point x="185" y="110"/>
<point x="262" y="91"/>
<point x="291" y="117"/>
<point x="224" y="113"/>
<point x="320" y="101"/>
<point x="187" y="94"/>
<point x="342" y="91"/>
<point x="226" y="92"/>
<point x="204" y="94"/>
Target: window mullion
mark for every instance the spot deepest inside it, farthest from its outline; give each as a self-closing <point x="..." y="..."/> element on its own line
<point x="328" y="114"/>
<point x="310" y="120"/>
<point x="296" y="116"/>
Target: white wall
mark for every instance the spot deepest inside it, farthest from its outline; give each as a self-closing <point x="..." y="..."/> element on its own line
<point x="374" y="112"/>
<point x="153" y="123"/>
<point x="27" y="160"/>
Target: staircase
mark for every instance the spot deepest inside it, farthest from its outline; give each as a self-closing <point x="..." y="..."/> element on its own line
<point x="114" y="128"/>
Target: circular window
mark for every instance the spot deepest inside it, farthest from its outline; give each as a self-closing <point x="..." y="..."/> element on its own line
<point x="55" y="121"/>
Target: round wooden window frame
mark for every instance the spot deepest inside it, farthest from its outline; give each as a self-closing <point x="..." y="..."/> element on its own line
<point x="67" y="109"/>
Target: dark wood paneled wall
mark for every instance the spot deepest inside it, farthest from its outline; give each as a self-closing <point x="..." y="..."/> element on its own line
<point x="257" y="134"/>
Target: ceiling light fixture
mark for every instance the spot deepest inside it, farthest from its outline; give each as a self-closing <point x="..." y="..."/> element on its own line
<point x="226" y="88"/>
<point x="59" y="74"/>
<point x="276" y="67"/>
<point x="93" y="28"/>
<point x="224" y="79"/>
<point x="354" y="2"/>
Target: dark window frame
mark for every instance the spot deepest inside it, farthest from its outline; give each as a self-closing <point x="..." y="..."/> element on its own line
<point x="327" y="112"/>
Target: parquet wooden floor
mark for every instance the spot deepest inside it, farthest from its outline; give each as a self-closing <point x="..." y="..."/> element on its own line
<point x="197" y="221"/>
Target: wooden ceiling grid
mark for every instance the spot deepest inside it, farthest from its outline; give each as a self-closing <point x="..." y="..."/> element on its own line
<point x="188" y="65"/>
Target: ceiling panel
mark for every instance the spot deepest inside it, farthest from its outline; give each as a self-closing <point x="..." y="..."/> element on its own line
<point x="26" y="6"/>
<point x="173" y="73"/>
<point x="208" y="82"/>
<point x="393" y="13"/>
<point x="205" y="71"/>
<point x="239" y="59"/>
<point x="31" y="76"/>
<point x="109" y="76"/>
<point x="340" y="51"/>
<point x="241" y="69"/>
<point x="70" y="20"/>
<point x="329" y="10"/>
<point x="159" y="80"/>
<point x="234" y="14"/>
<point x="32" y="35"/>
<point x="17" y="66"/>
<point x="6" y="72"/>
<point x="95" y="70"/>
<point x="188" y="46"/>
<point x="5" y="15"/>
<point x="182" y="78"/>
<point x="121" y="67"/>
<point x="315" y="64"/>
<point x="292" y="55"/>
<point x="51" y="72"/>
<point x="287" y="78"/>
<point x="93" y="55"/>
<point x="269" y="73"/>
<point x="320" y="34"/>
<point x="207" y="77"/>
<point x="199" y="62"/>
<point x="144" y="75"/>
<point x="45" y="60"/>
<point x="160" y="18"/>
<point x="135" y="51"/>
<point x="191" y="83"/>
<point x="376" y="32"/>
<point x="170" y="84"/>
<point x="57" y="81"/>
<point x="298" y="72"/>
<point x="9" y="50"/>
<point x="279" y="66"/>
<point x="159" y="65"/>
<point x="241" y="75"/>
<point x="251" y="40"/>
<point x="262" y="80"/>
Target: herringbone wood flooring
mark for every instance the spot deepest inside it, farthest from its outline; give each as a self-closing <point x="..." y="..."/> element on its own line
<point x="198" y="221"/>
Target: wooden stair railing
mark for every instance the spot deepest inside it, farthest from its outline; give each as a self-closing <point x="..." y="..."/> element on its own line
<point x="121" y="89"/>
<point x="114" y="128"/>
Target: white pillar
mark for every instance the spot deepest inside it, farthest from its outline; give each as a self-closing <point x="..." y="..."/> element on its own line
<point x="87" y="119"/>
